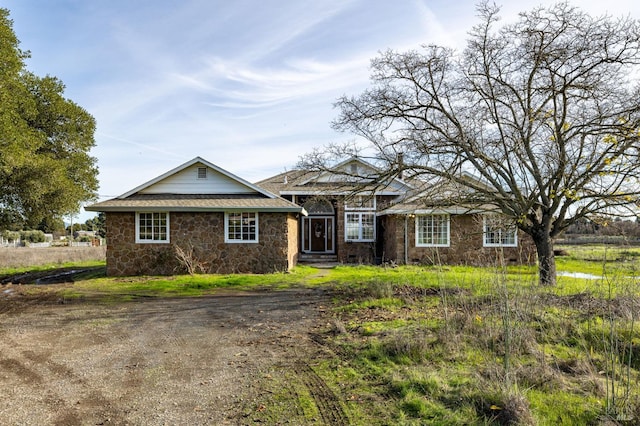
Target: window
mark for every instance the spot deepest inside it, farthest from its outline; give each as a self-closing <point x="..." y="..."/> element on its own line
<point x="432" y="230"/>
<point x="241" y="227"/>
<point x="202" y="172"/>
<point x="499" y="232"/>
<point x="359" y="226"/>
<point x="360" y="202"/>
<point x="152" y="227"/>
<point x="318" y="206"/>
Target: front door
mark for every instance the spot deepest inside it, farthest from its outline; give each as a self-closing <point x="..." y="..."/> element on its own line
<point x="317" y="234"/>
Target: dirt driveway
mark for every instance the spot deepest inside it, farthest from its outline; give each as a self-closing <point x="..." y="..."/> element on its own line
<point x="151" y="362"/>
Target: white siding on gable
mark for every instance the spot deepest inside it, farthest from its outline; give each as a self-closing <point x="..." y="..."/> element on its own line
<point x="349" y="172"/>
<point x="187" y="182"/>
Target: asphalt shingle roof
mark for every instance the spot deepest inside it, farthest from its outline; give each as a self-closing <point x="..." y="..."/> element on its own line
<point x="195" y="202"/>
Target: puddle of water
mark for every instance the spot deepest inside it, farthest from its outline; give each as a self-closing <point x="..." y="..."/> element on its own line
<point x="56" y="278"/>
<point x="580" y="275"/>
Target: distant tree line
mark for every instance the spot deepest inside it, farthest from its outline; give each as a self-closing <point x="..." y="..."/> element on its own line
<point x="605" y="226"/>
<point x="95" y="224"/>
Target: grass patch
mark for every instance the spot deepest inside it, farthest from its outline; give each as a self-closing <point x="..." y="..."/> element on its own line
<point x="476" y="346"/>
<point x="185" y="285"/>
<point x="600" y="260"/>
<point x="9" y="271"/>
<point x="553" y="408"/>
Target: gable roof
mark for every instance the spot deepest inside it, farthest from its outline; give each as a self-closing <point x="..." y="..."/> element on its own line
<point x="353" y="174"/>
<point x="197" y="185"/>
<point x="442" y="196"/>
<point x="242" y="186"/>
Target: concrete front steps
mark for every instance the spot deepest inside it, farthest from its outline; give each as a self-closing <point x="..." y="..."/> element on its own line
<point x="318" y="260"/>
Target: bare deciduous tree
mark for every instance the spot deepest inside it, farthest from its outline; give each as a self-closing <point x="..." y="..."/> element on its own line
<point x="545" y="111"/>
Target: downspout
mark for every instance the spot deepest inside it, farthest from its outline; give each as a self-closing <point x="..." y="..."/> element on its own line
<point x="406" y="239"/>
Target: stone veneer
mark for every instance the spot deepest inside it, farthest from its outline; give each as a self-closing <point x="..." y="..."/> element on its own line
<point x="466" y="244"/>
<point x="203" y="235"/>
<point x="350" y="251"/>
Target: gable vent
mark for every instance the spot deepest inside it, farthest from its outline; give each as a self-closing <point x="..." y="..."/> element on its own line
<point x="202" y="172"/>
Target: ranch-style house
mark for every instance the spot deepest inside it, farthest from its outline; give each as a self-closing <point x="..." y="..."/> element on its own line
<point x="201" y="213"/>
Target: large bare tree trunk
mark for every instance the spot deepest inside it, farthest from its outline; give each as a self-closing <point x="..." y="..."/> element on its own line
<point x="546" y="259"/>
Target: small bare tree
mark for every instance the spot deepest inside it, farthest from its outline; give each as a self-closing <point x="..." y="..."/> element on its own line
<point x="190" y="260"/>
<point x="546" y="112"/>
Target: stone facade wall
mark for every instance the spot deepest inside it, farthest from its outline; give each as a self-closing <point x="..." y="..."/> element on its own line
<point x="353" y="251"/>
<point x="466" y="244"/>
<point x="201" y="235"/>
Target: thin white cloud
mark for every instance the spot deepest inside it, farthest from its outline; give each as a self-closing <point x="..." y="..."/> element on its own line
<point x="241" y="85"/>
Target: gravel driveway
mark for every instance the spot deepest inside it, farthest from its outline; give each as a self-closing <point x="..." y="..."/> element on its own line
<point x="150" y="362"/>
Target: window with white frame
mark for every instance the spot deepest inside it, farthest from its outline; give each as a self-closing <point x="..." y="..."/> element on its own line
<point x="359" y="226"/>
<point x="432" y="230"/>
<point x="152" y="227"/>
<point x="241" y="227"/>
<point x="499" y="232"/>
<point x="360" y="218"/>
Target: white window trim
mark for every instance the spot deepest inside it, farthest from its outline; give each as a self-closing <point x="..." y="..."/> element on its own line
<point x="234" y="241"/>
<point x="145" y="241"/>
<point x="484" y="236"/>
<point x="359" y="214"/>
<point x="417" y="226"/>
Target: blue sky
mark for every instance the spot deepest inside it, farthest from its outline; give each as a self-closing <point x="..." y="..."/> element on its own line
<point x="246" y="84"/>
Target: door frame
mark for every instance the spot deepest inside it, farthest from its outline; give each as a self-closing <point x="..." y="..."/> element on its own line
<point x="306" y="231"/>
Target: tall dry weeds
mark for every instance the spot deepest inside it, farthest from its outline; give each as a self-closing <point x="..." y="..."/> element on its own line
<point x="24" y="257"/>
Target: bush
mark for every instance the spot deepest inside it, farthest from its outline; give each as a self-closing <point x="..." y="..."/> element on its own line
<point x="32" y="236"/>
<point x="412" y="346"/>
<point x="11" y="236"/>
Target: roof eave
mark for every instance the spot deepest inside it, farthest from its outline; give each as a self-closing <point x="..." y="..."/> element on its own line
<point x="132" y="209"/>
<point x="321" y="192"/>
<point x="455" y="210"/>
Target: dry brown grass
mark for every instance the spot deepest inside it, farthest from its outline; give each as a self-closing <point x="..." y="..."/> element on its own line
<point x="22" y="257"/>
